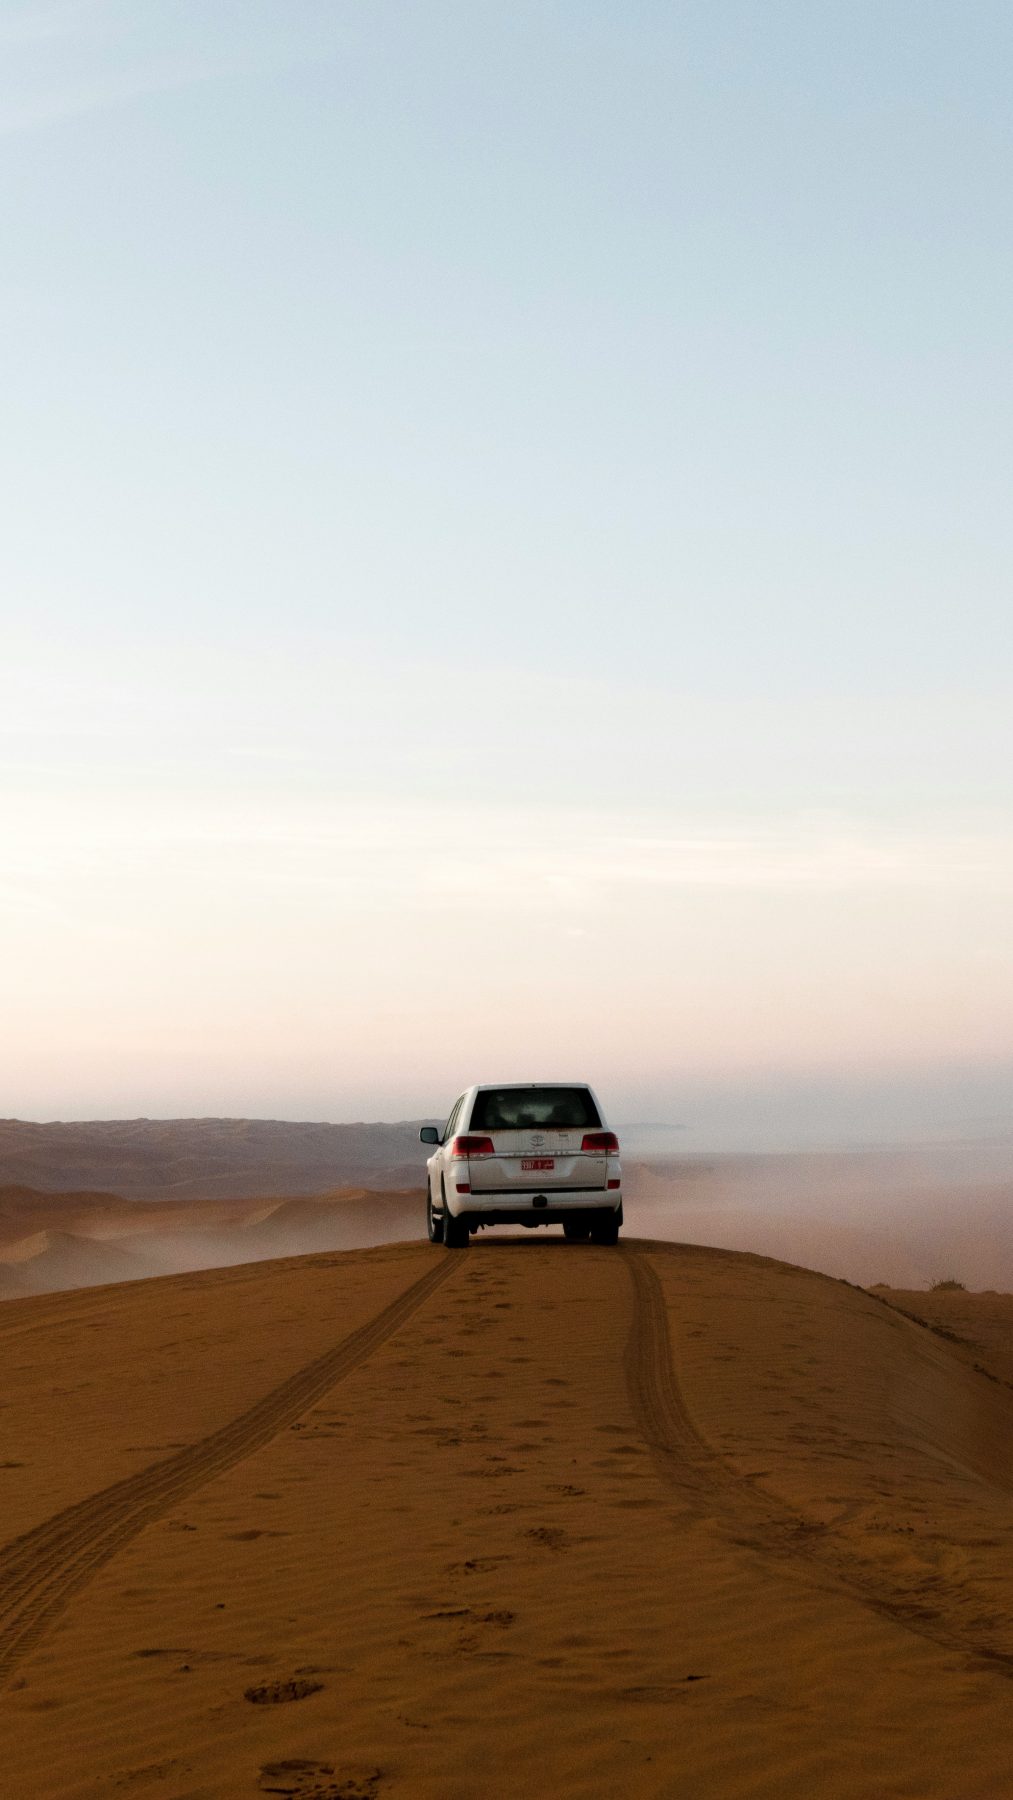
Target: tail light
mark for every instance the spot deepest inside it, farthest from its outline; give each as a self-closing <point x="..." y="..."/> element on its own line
<point x="473" y="1146"/>
<point x="601" y="1141"/>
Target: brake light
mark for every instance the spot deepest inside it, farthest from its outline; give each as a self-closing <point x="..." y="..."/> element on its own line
<point x="473" y="1146"/>
<point x="600" y="1141"/>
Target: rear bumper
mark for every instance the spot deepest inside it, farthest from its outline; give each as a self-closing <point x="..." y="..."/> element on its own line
<point x="542" y="1204"/>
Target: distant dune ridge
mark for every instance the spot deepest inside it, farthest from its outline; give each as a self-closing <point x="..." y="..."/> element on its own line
<point x="172" y="1195"/>
<point x="52" y="1241"/>
<point x="206" y="1159"/>
<point x="87" y="1203"/>
<point x="665" y="1522"/>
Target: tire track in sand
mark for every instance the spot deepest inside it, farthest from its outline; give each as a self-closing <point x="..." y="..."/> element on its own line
<point x="41" y="1571"/>
<point x="754" y="1519"/>
<point x="683" y="1458"/>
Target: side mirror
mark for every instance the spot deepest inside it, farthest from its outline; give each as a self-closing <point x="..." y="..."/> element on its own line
<point x="429" y="1135"/>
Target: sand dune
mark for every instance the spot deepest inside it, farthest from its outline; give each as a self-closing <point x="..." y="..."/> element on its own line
<point x="10" y="1286"/>
<point x="50" y="1242"/>
<point x="908" y="1217"/>
<point x="982" y="1324"/>
<point x="664" y="1521"/>
<point x="183" y="1194"/>
<point x="50" y="1260"/>
<point x="207" y="1159"/>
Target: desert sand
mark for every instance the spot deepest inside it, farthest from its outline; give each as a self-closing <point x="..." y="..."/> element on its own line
<point x="910" y="1216"/>
<point x="85" y="1204"/>
<point x="533" y="1518"/>
<point x="52" y="1241"/>
<point x="207" y="1159"/>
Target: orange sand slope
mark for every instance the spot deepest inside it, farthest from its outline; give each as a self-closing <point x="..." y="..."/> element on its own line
<point x="534" y="1518"/>
<point x="907" y="1217"/>
<point x="54" y="1241"/>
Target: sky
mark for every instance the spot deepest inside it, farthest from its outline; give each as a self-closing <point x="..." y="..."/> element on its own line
<point x="506" y="560"/>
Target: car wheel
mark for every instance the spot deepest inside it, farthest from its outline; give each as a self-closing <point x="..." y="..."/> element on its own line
<point x="577" y="1230"/>
<point x="605" y="1230"/>
<point x="434" y="1220"/>
<point x="455" y="1232"/>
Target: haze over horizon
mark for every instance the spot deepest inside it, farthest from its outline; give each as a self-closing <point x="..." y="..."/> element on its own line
<point x="962" y="1115"/>
<point x="507" y="570"/>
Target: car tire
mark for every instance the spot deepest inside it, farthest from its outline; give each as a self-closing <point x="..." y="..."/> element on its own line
<point x="605" y="1230"/>
<point x="434" y="1220"/>
<point x="456" y="1234"/>
<point x="577" y="1230"/>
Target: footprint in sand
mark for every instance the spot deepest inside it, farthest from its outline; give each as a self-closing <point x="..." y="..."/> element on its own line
<point x="278" y="1693"/>
<point x="247" y="1537"/>
<point x="477" y="1565"/>
<point x="660" y="1695"/>
<point x="457" y="1613"/>
<point x="149" y="1772"/>
<point x="548" y="1536"/>
<point x="306" y="1780"/>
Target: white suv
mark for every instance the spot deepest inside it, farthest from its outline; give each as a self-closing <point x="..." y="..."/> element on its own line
<point x="533" y="1154"/>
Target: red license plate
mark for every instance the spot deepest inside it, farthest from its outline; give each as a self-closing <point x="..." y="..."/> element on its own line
<point x="538" y="1162"/>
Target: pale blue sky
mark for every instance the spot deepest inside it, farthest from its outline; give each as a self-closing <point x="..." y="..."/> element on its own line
<point x="522" y="489"/>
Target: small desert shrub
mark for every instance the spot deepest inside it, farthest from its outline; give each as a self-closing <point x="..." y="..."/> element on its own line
<point x="949" y="1286"/>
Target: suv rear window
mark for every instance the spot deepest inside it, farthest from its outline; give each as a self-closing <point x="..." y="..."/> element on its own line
<point x="513" y="1108"/>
